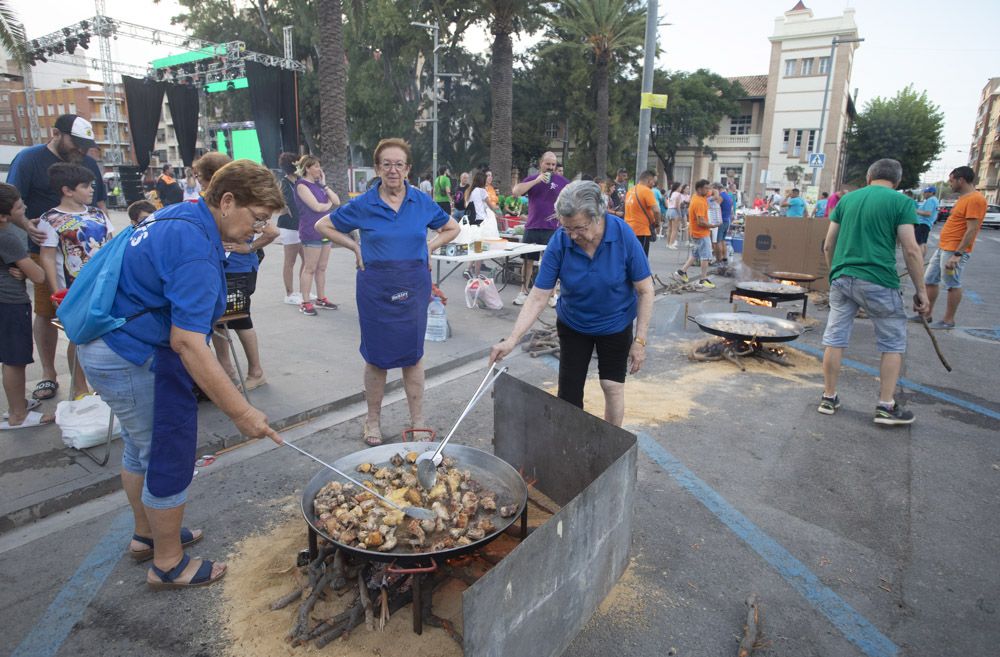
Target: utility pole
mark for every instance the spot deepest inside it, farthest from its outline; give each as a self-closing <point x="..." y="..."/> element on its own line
<point x="826" y="94"/>
<point x="434" y="91"/>
<point x="642" y="154"/>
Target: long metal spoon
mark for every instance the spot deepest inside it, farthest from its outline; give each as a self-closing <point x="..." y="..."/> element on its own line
<point x="413" y="511"/>
<point x="428" y="461"/>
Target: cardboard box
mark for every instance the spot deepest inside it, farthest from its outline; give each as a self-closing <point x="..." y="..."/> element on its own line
<point x="790" y="244"/>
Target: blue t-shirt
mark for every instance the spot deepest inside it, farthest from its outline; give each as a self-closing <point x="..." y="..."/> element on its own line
<point x="242" y="263"/>
<point x="796" y="207"/>
<point x="660" y="200"/>
<point x="174" y="269"/>
<point x="932" y="205"/>
<point x="29" y="172"/>
<point x="387" y="235"/>
<point x="821" y="208"/>
<point x="597" y="296"/>
<point x="727" y="206"/>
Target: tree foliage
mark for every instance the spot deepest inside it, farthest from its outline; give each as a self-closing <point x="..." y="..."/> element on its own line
<point x="906" y="127"/>
<point x="697" y="102"/>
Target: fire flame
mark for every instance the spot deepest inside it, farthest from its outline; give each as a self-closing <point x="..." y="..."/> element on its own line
<point x="752" y="301"/>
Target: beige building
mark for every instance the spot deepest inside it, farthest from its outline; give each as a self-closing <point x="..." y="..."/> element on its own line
<point x="766" y="147"/>
<point x="984" y="154"/>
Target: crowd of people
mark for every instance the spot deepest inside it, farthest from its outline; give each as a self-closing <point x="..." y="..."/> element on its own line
<point x="174" y="266"/>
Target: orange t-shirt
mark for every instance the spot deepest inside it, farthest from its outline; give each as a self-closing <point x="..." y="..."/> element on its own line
<point x="634" y="216"/>
<point x="970" y="207"/>
<point x="698" y="207"/>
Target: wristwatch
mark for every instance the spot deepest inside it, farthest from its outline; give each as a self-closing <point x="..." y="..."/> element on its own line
<point x="641" y="341"/>
<point x="959" y="254"/>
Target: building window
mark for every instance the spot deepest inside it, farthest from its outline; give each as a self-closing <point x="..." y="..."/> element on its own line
<point x="20" y="111"/>
<point x="552" y="131"/>
<point x="784" y="141"/>
<point x="807" y="67"/>
<point x="24" y="134"/>
<point x="812" y="142"/>
<point x="740" y="125"/>
<point x="824" y="65"/>
<point x="72" y="108"/>
<point x="797" y="151"/>
<point x="52" y="110"/>
<point x="41" y="110"/>
<point x="790" y="67"/>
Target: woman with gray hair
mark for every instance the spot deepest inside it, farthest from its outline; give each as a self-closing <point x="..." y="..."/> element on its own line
<point x="605" y="286"/>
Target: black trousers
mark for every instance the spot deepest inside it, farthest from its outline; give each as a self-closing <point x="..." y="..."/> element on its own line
<point x="575" y="351"/>
<point x="644" y="241"/>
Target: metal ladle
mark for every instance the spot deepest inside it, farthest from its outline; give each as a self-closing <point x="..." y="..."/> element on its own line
<point x="428" y="461"/>
<point x="413" y="511"/>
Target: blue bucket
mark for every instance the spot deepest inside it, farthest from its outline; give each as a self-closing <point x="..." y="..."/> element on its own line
<point x="737" y="243"/>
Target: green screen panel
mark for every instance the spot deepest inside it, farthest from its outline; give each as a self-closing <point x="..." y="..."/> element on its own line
<point x="246" y="146"/>
<point x="216" y="87"/>
<point x="221" y="144"/>
<point x="207" y="52"/>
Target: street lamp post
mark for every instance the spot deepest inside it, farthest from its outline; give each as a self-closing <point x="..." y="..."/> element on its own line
<point x="642" y="153"/>
<point x="826" y="94"/>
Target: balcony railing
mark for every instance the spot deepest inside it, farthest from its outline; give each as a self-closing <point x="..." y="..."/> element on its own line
<point x="734" y="141"/>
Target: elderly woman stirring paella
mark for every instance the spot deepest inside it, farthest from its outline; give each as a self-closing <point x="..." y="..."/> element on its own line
<point x="393" y="280"/>
<point x="605" y="286"/>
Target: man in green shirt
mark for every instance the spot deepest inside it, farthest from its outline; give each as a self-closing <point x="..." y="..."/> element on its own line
<point x="860" y="248"/>
<point x="442" y="190"/>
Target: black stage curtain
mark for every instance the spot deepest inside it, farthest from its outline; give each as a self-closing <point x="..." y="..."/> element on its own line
<point x="144" y="99"/>
<point x="183" y="99"/>
<point x="272" y="98"/>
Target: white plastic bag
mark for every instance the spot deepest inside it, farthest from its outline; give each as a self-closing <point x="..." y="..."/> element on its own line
<point x="467" y="233"/>
<point x="488" y="230"/>
<point x="84" y="423"/>
<point x="482" y="290"/>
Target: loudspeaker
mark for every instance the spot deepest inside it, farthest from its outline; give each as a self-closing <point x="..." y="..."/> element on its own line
<point x="131" y="182"/>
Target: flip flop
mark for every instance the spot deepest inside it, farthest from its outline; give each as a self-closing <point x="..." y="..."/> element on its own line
<point x="203" y="577"/>
<point x="187" y="538"/>
<point x="253" y="384"/>
<point x="45" y="389"/>
<point x="31" y="404"/>
<point x="33" y="419"/>
<point x="372" y="439"/>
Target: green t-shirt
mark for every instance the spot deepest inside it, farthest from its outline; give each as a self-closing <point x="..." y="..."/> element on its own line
<point x="442" y="189"/>
<point x="866" y="243"/>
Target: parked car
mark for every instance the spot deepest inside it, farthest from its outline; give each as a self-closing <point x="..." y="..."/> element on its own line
<point x="943" y="210"/>
<point x="992" y="219"/>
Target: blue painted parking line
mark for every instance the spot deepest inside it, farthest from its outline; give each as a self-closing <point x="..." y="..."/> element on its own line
<point x="907" y="383"/>
<point x="973" y="297"/>
<point x="855" y="627"/>
<point x="51" y="630"/>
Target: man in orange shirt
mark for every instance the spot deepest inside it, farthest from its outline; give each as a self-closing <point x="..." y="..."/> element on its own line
<point x="701" y="234"/>
<point x="955" y="245"/>
<point x="642" y="212"/>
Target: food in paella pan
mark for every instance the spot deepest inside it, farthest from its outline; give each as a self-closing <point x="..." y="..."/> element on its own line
<point x="465" y="511"/>
<point x="740" y="327"/>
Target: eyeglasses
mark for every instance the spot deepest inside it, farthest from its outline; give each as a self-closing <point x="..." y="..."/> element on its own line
<point x="575" y="230"/>
<point x="398" y="166"/>
<point x="258" y="221"/>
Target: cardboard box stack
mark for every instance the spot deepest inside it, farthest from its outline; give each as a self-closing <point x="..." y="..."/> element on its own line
<point x="790" y="244"/>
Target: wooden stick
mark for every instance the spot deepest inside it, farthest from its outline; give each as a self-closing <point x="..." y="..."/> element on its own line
<point x="286" y="600"/>
<point x="366" y="603"/>
<point x="937" y="348"/>
<point x="752" y="627"/>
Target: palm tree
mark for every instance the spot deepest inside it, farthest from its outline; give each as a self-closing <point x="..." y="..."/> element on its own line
<point x="11" y="32"/>
<point x="604" y="29"/>
<point x="506" y="17"/>
<point x="332" y="80"/>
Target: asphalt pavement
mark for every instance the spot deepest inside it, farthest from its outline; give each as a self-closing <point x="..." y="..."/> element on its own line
<point x="858" y="539"/>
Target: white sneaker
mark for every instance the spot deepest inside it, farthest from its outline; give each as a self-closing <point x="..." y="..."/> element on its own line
<point x="553" y="300"/>
<point x="672" y="246"/>
<point x="520" y="299"/>
<point x="294" y="299"/>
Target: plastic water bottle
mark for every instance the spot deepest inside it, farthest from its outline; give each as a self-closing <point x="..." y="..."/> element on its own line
<point x="437" y="321"/>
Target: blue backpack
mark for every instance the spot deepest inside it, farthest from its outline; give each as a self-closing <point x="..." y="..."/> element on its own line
<point x="85" y="313"/>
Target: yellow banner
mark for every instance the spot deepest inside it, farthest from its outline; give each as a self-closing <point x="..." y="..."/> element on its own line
<point x="653" y="101"/>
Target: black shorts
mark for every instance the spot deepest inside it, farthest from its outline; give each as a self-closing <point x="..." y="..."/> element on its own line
<point x="245" y="323"/>
<point x="445" y="205"/>
<point x="922" y="231"/>
<point x="536" y="236"/>
<point x="575" y="352"/>
<point x="15" y="334"/>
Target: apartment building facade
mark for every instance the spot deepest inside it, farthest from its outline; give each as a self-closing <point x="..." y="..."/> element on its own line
<point x="984" y="154"/>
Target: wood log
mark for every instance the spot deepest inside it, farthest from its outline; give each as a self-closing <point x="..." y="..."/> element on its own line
<point x="752" y="627"/>
<point x="286" y="599"/>
<point x="542" y="352"/>
<point x="366" y="603"/>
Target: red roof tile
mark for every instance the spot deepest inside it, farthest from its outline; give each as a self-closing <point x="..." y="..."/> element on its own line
<point x="755" y="86"/>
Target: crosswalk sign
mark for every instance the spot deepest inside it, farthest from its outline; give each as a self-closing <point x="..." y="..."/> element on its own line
<point x="817" y="160"/>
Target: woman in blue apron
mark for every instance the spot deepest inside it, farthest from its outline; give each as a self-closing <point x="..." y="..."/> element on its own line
<point x="173" y="290"/>
<point x="393" y="281"/>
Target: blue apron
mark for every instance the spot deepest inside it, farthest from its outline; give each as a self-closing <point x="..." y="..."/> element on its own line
<point x="392" y="311"/>
<point x="175" y="426"/>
